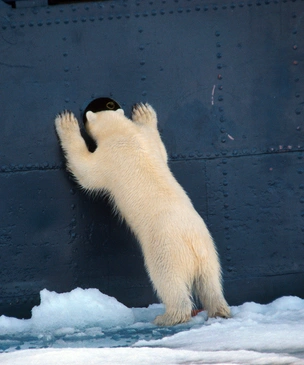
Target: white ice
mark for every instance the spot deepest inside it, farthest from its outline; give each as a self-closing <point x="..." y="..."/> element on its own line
<point x="87" y="327"/>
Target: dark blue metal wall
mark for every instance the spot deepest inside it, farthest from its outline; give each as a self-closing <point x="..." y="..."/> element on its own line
<point x="227" y="81"/>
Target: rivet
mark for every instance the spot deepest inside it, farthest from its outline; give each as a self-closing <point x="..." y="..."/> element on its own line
<point x="224" y="173"/>
<point x="48" y="22"/>
<point x="4" y="27"/>
<point x="141" y="47"/>
<point x="154" y="12"/>
<point x="217" y="33"/>
<point x="162" y="12"/>
<point x="66" y="69"/>
<point x="219" y="66"/>
<point x="225" y="182"/>
<point x="65" y="54"/>
<point x="295" y="46"/>
<point x="214" y="7"/>
<point x="297" y="95"/>
<point x="140" y="30"/>
<point x="127" y="16"/>
<point x="235" y="152"/>
<point x="228" y="258"/>
<point x="31" y="24"/>
<point x="220" y="87"/>
<point x="298" y="111"/>
<point x="219" y="55"/>
<point x="223" y="140"/>
<point x="144" y="93"/>
<point x="224" y="161"/>
<point x="197" y="8"/>
<point x="67" y="100"/>
<point x="232" y="6"/>
<point x="298" y="128"/>
<point x="57" y="21"/>
<point x="74" y="20"/>
<point x="220" y="77"/>
<point x="110" y="17"/>
<point x="205" y="7"/>
<point x="66" y="21"/>
<point x="142" y="62"/>
<point x="222" y="130"/>
<point x="300" y="171"/>
<point x="221" y="109"/>
<point x="294" y="31"/>
<point x="218" y="44"/>
<point x="301" y="186"/>
<point x="302" y="200"/>
<point x="295" y="62"/>
<point x="220" y="98"/>
<point x="92" y="18"/>
<point x="100" y="18"/>
<point x="143" y="78"/>
<point x="180" y="10"/>
<point x="83" y="19"/>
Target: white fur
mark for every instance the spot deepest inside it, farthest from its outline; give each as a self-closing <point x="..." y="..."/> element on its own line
<point x="130" y="163"/>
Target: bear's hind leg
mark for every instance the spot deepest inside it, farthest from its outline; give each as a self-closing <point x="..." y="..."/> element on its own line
<point x="210" y="292"/>
<point x="176" y="298"/>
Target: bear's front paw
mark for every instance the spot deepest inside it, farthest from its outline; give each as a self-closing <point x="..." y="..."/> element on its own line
<point x="66" y="123"/>
<point x="143" y="113"/>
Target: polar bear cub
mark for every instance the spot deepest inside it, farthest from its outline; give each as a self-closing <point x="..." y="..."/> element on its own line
<point x="130" y="164"/>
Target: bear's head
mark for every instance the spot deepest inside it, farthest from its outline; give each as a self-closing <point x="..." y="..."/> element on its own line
<point x="97" y="122"/>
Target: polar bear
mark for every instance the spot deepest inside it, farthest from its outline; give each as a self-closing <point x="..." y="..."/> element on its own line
<point x="130" y="164"/>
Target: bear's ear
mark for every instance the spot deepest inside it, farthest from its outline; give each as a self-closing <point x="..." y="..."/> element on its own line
<point x="91" y="117"/>
<point x="120" y="111"/>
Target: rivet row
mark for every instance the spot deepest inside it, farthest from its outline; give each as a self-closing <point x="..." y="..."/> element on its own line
<point x="153" y="12"/>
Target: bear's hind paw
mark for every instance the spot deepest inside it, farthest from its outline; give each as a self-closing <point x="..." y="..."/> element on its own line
<point x="223" y="312"/>
<point x="171" y="320"/>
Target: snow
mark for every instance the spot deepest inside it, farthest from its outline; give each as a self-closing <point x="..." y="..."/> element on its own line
<point x="88" y="327"/>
